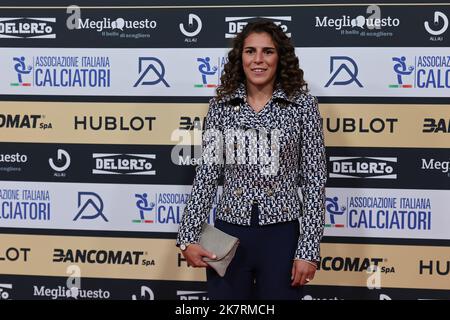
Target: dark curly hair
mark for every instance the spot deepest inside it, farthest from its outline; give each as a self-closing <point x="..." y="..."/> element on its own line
<point x="289" y="75"/>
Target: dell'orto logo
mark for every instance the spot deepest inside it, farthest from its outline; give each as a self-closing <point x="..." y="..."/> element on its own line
<point x="237" y="24"/>
<point x="149" y="67"/>
<point x="90" y="206"/>
<point x="439" y="26"/>
<point x="195" y="26"/>
<point x="62" y="163"/>
<point x="422" y="72"/>
<point x="129" y="164"/>
<point x="363" y="167"/>
<point x="344" y="74"/>
<point x="27" y="28"/>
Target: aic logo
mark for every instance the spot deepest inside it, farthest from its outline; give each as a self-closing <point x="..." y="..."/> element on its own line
<point x="144" y="207"/>
<point x="440" y="25"/>
<point x="62" y="162"/>
<point x="347" y="67"/>
<point x="128" y="164"/>
<point x="354" y="264"/>
<point x="363" y="167"/>
<point x="431" y="125"/>
<point x="193" y="20"/>
<point x="236" y="24"/>
<point x="27" y="28"/>
<point x="23" y="205"/>
<point x="5" y="291"/>
<point x="402" y="70"/>
<point x="154" y="67"/>
<point x="146" y="294"/>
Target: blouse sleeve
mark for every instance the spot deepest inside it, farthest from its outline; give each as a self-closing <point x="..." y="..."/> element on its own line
<point x="207" y="176"/>
<point x="313" y="175"/>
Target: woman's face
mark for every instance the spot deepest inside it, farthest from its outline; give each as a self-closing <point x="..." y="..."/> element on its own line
<point x="259" y="60"/>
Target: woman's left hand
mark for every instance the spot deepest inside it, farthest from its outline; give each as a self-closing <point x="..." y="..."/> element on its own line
<point x="302" y="273"/>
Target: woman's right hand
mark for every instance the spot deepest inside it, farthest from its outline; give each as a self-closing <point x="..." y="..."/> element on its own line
<point x="194" y="254"/>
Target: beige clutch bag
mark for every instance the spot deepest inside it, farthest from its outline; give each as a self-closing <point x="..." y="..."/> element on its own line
<point x="221" y="244"/>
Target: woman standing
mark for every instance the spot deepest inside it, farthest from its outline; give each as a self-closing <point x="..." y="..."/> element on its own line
<point x="262" y="101"/>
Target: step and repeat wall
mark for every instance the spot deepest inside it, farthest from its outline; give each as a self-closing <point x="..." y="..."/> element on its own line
<point x="101" y="114"/>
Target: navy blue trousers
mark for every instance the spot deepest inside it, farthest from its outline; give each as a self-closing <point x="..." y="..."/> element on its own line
<point x="261" y="268"/>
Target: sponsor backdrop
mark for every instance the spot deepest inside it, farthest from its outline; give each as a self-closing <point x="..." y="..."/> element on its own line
<point x="102" y="111"/>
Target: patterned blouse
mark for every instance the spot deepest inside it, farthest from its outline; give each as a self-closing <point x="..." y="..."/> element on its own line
<point x="264" y="158"/>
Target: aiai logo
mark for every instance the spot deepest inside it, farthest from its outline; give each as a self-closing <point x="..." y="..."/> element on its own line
<point x="333" y="211"/>
<point x="23" y="72"/>
<point x="145" y="208"/>
<point x="61" y="164"/>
